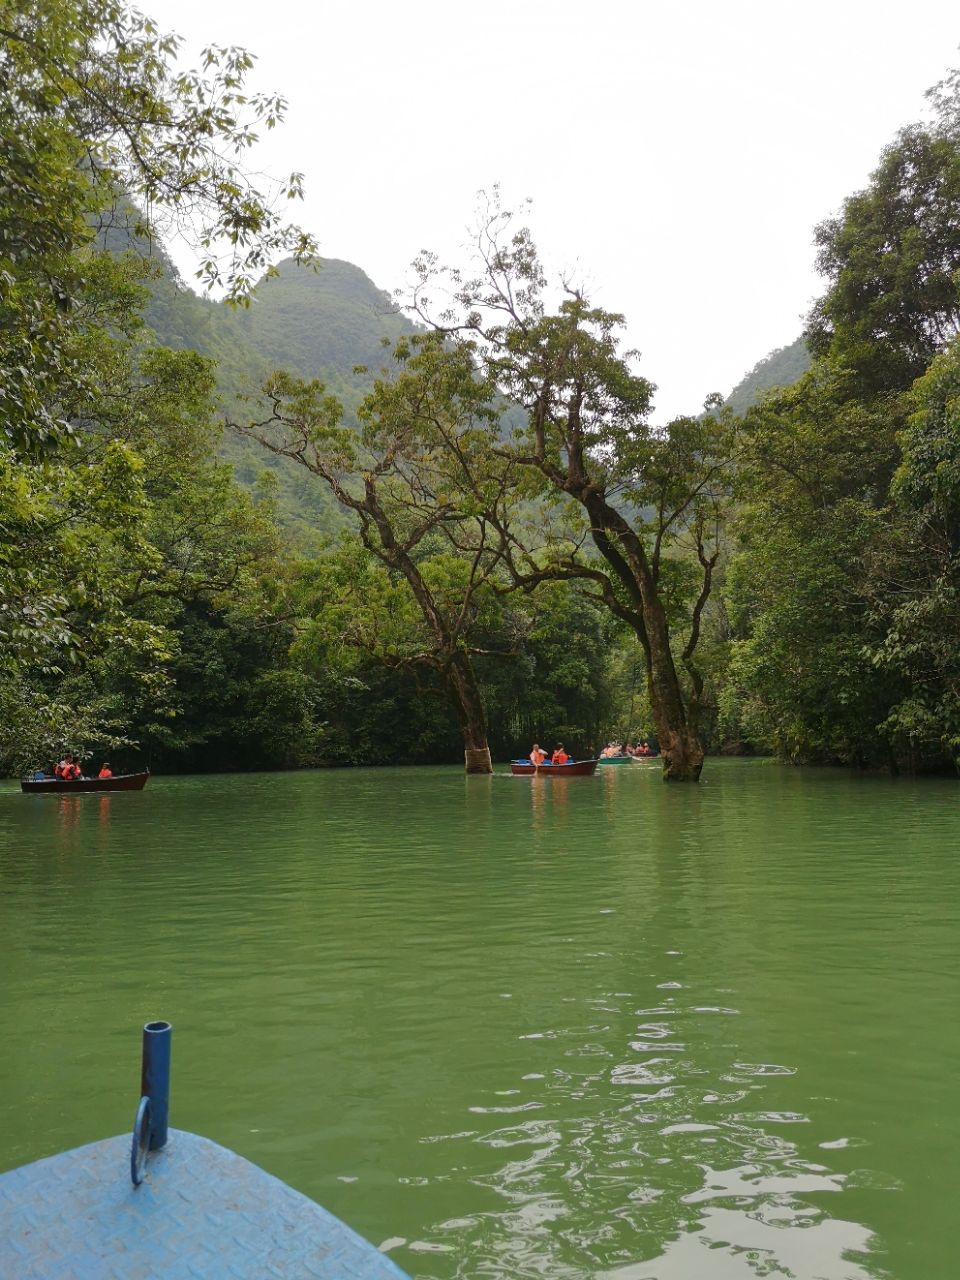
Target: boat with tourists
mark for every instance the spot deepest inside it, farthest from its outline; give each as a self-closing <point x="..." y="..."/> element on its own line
<point x="117" y="782"/>
<point x="617" y="753"/>
<point x="169" y="1203"/>
<point x="571" y="769"/>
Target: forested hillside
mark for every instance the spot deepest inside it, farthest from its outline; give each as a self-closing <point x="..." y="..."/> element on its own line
<point x="480" y="538"/>
<point x="320" y="321"/>
<point x="780" y="368"/>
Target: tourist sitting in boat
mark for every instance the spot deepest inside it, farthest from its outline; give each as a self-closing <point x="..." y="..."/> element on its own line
<point x="559" y="755"/>
<point x="537" y="755"/>
<point x="68" y="769"/>
<point x="611" y="749"/>
<point x="105" y="771"/>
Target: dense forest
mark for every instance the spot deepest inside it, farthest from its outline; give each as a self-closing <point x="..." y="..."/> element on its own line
<point x="304" y="525"/>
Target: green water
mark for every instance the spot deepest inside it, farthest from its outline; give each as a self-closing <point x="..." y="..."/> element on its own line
<point x="513" y="1027"/>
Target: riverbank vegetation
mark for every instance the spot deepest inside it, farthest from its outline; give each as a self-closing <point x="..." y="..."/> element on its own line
<point x="331" y="529"/>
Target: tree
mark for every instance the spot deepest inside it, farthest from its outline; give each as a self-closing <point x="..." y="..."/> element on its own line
<point x="93" y="111"/>
<point x="428" y="506"/>
<point x="921" y="615"/>
<point x="842" y="589"/>
<point x="142" y="592"/>
<point x="892" y="257"/>
<point x="817" y="542"/>
<point x="650" y="501"/>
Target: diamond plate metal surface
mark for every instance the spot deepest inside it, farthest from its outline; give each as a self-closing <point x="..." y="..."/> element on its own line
<point x="203" y="1213"/>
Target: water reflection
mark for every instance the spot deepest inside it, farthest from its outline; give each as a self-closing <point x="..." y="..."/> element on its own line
<point x="510" y="1028"/>
<point x="775" y="1236"/>
<point x="69" y="812"/>
<point x="632" y="1158"/>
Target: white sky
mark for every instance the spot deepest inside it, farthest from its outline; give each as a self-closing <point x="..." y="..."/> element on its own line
<point x="678" y="156"/>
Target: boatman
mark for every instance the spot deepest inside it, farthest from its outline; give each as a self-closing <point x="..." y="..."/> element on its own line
<point x="559" y="755"/>
<point x="537" y="755"/>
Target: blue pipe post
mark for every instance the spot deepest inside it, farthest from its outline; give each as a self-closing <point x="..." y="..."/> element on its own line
<point x="155" y="1078"/>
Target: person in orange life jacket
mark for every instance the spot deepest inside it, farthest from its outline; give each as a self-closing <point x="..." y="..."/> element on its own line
<point x="537" y="755"/>
<point x="559" y="755"/>
<point x="105" y="771"/>
<point x="67" y="768"/>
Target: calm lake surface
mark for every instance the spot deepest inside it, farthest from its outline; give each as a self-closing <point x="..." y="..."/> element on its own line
<point x="512" y="1027"/>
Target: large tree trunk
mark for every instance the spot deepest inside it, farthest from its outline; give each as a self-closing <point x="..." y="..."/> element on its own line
<point x="680" y="744"/>
<point x="617" y="542"/>
<point x="473" y="722"/>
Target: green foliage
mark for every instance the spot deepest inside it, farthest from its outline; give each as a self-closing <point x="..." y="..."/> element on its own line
<point x="321" y="324"/>
<point x="619" y="502"/>
<point x="91" y="104"/>
<point x="559" y="684"/>
<point x="892" y="259"/>
<point x="779" y="369"/>
<point x="843" y="588"/>
<point x="801" y="590"/>
<point x="921" y="611"/>
<point x="131" y="561"/>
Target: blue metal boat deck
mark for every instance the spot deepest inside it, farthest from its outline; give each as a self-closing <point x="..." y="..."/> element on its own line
<point x="202" y="1213"/>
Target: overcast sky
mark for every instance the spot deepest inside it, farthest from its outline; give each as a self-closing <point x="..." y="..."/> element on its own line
<point x="677" y="155"/>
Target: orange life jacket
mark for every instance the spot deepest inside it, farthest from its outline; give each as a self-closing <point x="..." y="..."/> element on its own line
<point x="105" y="773"/>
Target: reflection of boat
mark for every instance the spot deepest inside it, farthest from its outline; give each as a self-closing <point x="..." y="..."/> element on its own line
<point x="122" y="782"/>
<point x="572" y="769"/>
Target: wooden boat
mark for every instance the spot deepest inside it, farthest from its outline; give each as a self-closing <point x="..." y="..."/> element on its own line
<point x="615" y="760"/>
<point x="120" y="782"/>
<point x="572" y="769"/>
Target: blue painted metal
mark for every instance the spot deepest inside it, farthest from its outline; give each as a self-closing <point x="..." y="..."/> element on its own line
<point x="202" y="1213"/>
<point x="155" y="1078"/>
<point x="141" y="1142"/>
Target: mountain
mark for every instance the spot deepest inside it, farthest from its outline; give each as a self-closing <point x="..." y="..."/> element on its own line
<point x="323" y="323"/>
<point x="316" y="323"/>
<point x="330" y="319"/>
<point x="781" y="368"/>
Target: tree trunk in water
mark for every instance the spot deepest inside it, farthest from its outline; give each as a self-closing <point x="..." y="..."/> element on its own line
<point x="680" y="744"/>
<point x="682" y="756"/>
<point x="675" y="721"/>
<point x="473" y="722"/>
